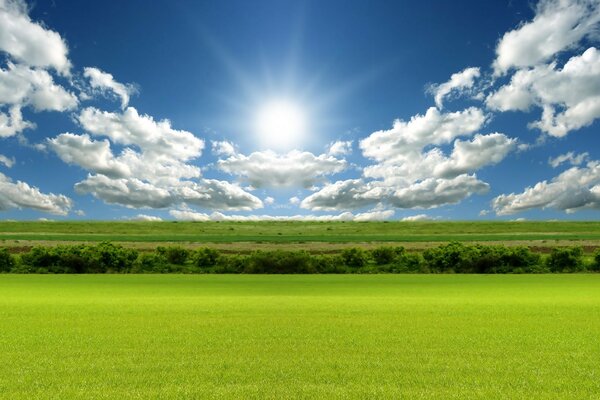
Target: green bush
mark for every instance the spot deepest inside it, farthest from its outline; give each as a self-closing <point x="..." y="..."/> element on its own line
<point x="233" y="264"/>
<point x="104" y="257"/>
<point x="449" y="258"/>
<point x="566" y="259"/>
<point x="206" y="258"/>
<point x="174" y="255"/>
<point x="354" y="257"/>
<point x="279" y="262"/>
<point x="385" y="254"/>
<point x="7" y="261"/>
<point x="452" y="257"/>
<point x="596" y="265"/>
<point x="151" y="262"/>
<point x="409" y="263"/>
<point x="324" y="264"/>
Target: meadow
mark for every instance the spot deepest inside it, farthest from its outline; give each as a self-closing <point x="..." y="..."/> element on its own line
<point x="299" y="232"/>
<point x="294" y="336"/>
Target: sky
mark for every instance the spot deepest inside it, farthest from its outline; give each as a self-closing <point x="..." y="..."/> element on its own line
<point x="303" y="110"/>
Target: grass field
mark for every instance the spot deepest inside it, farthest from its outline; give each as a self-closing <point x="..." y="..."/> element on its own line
<point x="246" y="336"/>
<point x="311" y="236"/>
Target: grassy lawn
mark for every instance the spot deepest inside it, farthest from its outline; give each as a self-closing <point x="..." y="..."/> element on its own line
<point x="249" y="336"/>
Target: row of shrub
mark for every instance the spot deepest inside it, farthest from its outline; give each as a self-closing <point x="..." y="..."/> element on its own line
<point x="448" y="258"/>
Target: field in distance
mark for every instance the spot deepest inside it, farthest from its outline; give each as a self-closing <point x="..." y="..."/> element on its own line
<point x="315" y="336"/>
<point x="317" y="236"/>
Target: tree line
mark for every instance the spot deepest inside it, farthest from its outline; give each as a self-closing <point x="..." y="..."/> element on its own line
<point x="454" y="257"/>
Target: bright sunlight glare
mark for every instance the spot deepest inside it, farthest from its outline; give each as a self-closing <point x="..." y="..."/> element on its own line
<point x="280" y="125"/>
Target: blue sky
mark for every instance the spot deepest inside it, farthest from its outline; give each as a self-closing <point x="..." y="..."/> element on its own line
<point x="336" y="110"/>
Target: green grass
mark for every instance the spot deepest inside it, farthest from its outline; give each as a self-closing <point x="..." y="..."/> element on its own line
<point x="288" y="232"/>
<point x="277" y="337"/>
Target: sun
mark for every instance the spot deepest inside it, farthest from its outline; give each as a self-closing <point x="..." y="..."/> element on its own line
<point x="280" y="124"/>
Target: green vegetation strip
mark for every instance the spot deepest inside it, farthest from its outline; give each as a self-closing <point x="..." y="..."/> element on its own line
<point x="293" y="232"/>
<point x="313" y="336"/>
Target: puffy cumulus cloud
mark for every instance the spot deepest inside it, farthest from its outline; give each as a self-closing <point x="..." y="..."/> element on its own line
<point x="557" y="25"/>
<point x="269" y="169"/>
<point x="340" y="148"/>
<point x="24" y="81"/>
<point x="223" y="148"/>
<point x="135" y="193"/>
<point x="466" y="157"/>
<point x="146" y="218"/>
<point x="13" y="123"/>
<point x="106" y="83"/>
<point x="96" y="156"/>
<point x="469" y="156"/>
<point x="570" y="157"/>
<point x="433" y="128"/>
<point x="29" y="42"/>
<point x="458" y="83"/>
<point x="21" y="195"/>
<point x="132" y="129"/>
<point x="570" y="96"/>
<point x="188" y="215"/>
<point x="269" y="200"/>
<point x="88" y="154"/>
<point x="574" y="189"/>
<point x="412" y="171"/>
<point x="418" y="217"/>
<point x="435" y="192"/>
<point x="7" y="162"/>
<point x="132" y="193"/>
<point x="151" y="171"/>
<point x="22" y="85"/>
<point x="348" y="194"/>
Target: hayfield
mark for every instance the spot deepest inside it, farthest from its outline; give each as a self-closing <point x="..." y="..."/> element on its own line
<point x="251" y="336"/>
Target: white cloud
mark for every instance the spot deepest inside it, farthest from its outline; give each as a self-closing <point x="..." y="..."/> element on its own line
<point x="348" y="194"/>
<point x="105" y="82"/>
<point x="146" y="218"/>
<point x="570" y="97"/>
<point x="574" y="189"/>
<point x="269" y="200"/>
<point x="469" y="156"/>
<point x="29" y="42"/>
<point x="129" y="128"/>
<point x="23" y="86"/>
<point x="8" y="162"/>
<point x="223" y="148"/>
<point x="88" y="154"/>
<point x="557" y="25"/>
<point x="418" y="217"/>
<point x="135" y="193"/>
<point x="374" y="215"/>
<point x="466" y="157"/>
<point x="294" y="200"/>
<point x="269" y="169"/>
<point x="340" y="148"/>
<point x="458" y="83"/>
<point x="570" y="157"/>
<point x="153" y="169"/>
<point x="435" y="192"/>
<point x="433" y="128"/>
<point x="188" y="215"/>
<point x="22" y="195"/>
<point x="406" y="175"/>
<point x="12" y="123"/>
